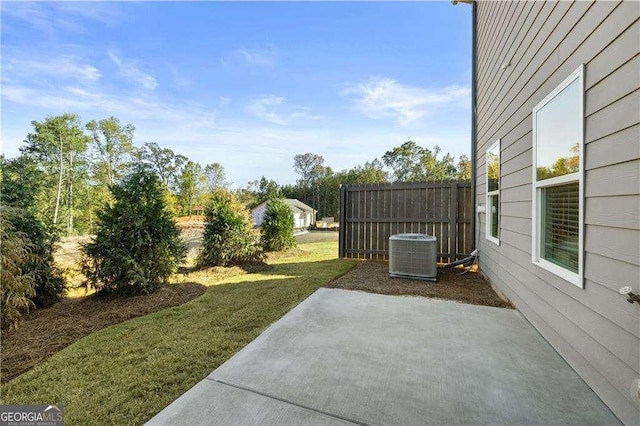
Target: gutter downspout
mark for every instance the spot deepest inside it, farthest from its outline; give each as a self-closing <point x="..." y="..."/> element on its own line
<point x="473" y="120"/>
<point x="473" y="257"/>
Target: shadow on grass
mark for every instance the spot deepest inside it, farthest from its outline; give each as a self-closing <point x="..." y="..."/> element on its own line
<point x="248" y="267"/>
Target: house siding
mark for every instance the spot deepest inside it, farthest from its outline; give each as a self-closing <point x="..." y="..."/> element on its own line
<point x="258" y="214"/>
<point x="301" y="219"/>
<point x="593" y="328"/>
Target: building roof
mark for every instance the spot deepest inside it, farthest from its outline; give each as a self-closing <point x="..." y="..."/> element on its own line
<point x="295" y="205"/>
<point x="298" y="205"/>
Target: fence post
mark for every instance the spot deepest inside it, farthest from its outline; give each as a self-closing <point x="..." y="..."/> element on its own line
<point x="453" y="220"/>
<point x="342" y="229"/>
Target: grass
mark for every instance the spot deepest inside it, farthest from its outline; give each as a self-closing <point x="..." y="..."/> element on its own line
<point x="44" y="332"/>
<point x="126" y="373"/>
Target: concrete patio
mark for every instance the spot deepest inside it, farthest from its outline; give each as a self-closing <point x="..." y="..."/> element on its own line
<point x="345" y="357"/>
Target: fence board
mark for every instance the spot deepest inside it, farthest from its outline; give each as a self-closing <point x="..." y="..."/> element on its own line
<point x="370" y="214"/>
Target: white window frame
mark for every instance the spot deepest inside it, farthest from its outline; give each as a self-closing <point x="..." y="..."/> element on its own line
<point x="489" y="194"/>
<point x="537" y="186"/>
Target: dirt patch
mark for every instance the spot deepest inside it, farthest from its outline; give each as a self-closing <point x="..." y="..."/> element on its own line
<point x="44" y="332"/>
<point x="373" y="276"/>
<point x="190" y="219"/>
<point x="69" y="250"/>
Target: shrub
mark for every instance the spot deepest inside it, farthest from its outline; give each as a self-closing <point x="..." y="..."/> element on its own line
<point x="19" y="189"/>
<point x="17" y="287"/>
<point x="48" y="283"/>
<point x="137" y="243"/>
<point x="277" y="226"/>
<point x="229" y="237"/>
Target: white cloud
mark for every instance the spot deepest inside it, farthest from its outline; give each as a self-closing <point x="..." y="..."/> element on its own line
<point x="257" y="57"/>
<point x="273" y="110"/>
<point x="104" y="12"/>
<point x="131" y="70"/>
<point x="95" y="101"/>
<point x="69" y="83"/>
<point x="67" y="16"/>
<point x="381" y="98"/>
<point x="62" y="68"/>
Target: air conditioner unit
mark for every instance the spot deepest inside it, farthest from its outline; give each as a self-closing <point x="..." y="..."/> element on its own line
<point x="413" y="256"/>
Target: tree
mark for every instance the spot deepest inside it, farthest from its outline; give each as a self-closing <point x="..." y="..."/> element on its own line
<point x="310" y="167"/>
<point x="246" y="195"/>
<point x="163" y="161"/>
<point x="22" y="182"/>
<point x="190" y="186"/>
<point x="113" y="144"/>
<point x="214" y="176"/>
<point x="58" y="145"/>
<point x="266" y="189"/>
<point x="137" y="244"/>
<point x="277" y="226"/>
<point x="229" y="237"/>
<point x="413" y="163"/>
<point x="404" y="160"/>
<point x="258" y="191"/>
<point x="464" y="168"/>
<point x="372" y="172"/>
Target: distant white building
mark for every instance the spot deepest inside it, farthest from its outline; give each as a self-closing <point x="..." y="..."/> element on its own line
<point x="303" y="215"/>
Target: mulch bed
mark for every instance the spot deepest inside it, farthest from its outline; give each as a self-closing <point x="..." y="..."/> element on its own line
<point x="43" y="332"/>
<point x="452" y="284"/>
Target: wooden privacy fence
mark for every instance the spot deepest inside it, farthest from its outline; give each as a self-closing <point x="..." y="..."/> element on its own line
<point x="370" y="214"/>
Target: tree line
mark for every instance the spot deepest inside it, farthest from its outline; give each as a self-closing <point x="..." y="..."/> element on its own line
<point x="68" y="168"/>
<point x="318" y="185"/>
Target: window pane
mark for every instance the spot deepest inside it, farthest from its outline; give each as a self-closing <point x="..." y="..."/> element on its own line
<point x="560" y="225"/>
<point x="558" y="132"/>
<point x="493" y="168"/>
<point x="494" y="215"/>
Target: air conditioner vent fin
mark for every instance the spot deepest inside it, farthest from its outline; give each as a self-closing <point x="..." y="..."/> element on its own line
<point x="413" y="256"/>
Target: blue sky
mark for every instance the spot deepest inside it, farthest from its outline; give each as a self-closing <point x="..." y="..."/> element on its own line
<point x="248" y="85"/>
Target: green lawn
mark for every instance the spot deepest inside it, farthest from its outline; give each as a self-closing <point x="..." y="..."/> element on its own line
<point x="127" y="373"/>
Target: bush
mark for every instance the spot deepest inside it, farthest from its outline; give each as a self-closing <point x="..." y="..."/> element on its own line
<point x="17" y="285"/>
<point x="229" y="237"/>
<point x="277" y="226"/>
<point x="19" y="188"/>
<point x="137" y="243"/>
<point x="48" y="283"/>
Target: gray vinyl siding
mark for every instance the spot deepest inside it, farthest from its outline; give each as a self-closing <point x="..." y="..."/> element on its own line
<point x="595" y="329"/>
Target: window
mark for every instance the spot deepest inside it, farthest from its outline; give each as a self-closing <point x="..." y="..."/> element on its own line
<point x="558" y="180"/>
<point x="493" y="193"/>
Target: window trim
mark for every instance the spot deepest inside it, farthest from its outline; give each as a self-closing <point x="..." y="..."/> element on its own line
<point x="489" y="194"/>
<point x="576" y="279"/>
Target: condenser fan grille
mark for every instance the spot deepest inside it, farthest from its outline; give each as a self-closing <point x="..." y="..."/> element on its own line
<point x="413" y="256"/>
